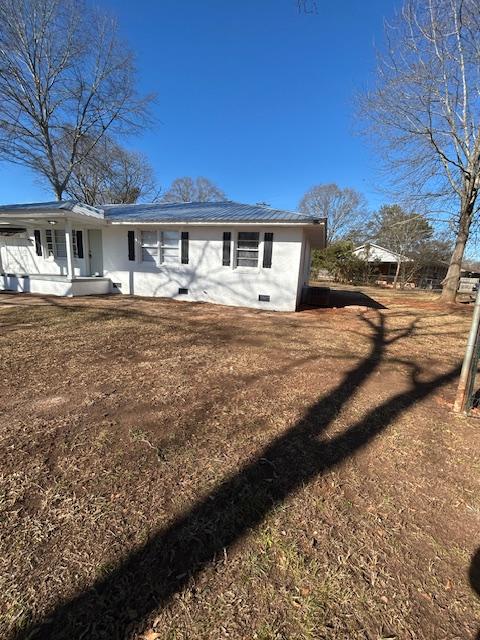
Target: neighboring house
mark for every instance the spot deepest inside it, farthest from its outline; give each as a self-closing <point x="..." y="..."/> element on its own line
<point x="386" y="261"/>
<point x="470" y="279"/>
<point x="221" y="252"/>
<point x="428" y="276"/>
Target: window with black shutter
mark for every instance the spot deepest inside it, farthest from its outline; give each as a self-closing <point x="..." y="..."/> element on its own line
<point x="38" y="242"/>
<point x="227" y="242"/>
<point x="131" y="245"/>
<point x="267" y="250"/>
<point x="184" y="247"/>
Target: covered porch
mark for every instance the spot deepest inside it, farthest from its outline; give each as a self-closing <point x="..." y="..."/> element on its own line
<point x="52" y="249"/>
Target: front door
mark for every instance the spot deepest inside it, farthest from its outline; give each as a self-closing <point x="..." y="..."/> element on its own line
<point x="95" y="252"/>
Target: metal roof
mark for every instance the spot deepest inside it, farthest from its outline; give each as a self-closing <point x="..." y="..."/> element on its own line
<point x="174" y="212"/>
<point x="200" y="212"/>
<point x="52" y="207"/>
<point x="55" y="205"/>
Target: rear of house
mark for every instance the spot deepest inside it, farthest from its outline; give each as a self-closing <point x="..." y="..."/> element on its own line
<point x="224" y="252"/>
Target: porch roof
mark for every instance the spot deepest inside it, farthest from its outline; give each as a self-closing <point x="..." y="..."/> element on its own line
<point x="35" y="212"/>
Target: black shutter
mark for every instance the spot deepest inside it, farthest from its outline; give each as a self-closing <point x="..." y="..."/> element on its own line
<point x="79" y="244"/>
<point x="38" y="242"/>
<point x="267" y="250"/>
<point x="227" y="240"/>
<point x="184" y="247"/>
<point x="131" y="245"/>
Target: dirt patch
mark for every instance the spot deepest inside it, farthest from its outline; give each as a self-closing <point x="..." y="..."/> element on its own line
<point x="195" y="471"/>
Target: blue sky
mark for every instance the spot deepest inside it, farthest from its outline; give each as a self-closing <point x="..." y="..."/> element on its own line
<point x="250" y="94"/>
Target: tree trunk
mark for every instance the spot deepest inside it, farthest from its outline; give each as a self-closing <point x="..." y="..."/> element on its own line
<point x="397" y="273"/>
<point x="452" y="279"/>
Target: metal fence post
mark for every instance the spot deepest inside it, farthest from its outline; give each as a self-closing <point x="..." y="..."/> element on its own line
<point x="470" y="362"/>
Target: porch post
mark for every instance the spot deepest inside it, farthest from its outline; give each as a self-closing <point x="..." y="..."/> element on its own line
<point x="68" y="242"/>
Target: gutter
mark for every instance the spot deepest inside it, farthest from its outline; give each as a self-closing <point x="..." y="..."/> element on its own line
<point x="182" y="223"/>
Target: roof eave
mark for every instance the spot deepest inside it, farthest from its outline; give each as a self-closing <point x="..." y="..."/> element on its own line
<point x="218" y="223"/>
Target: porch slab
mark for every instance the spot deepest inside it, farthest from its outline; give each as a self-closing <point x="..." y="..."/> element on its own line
<point x="54" y="285"/>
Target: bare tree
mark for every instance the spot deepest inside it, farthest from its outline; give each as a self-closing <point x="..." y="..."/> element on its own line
<point x="425" y="111"/>
<point x="187" y="189"/>
<point x="65" y="81"/>
<point x="111" y="174"/>
<point x="343" y="208"/>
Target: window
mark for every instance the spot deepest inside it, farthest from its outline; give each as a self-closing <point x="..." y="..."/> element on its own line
<point x="169" y="246"/>
<point x="49" y="241"/>
<point x="60" y="243"/>
<point x="247" y="249"/>
<point x="150" y="246"/>
<point x="57" y="244"/>
<point x="160" y="247"/>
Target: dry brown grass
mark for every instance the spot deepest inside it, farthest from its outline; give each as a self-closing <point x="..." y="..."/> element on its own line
<point x="120" y="415"/>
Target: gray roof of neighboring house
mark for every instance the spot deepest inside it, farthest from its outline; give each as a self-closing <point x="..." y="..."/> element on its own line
<point x="175" y="212"/>
<point x="200" y="212"/>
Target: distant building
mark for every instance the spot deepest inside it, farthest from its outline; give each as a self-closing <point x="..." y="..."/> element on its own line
<point x="386" y="261"/>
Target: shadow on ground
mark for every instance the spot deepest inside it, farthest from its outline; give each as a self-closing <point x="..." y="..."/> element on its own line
<point x="340" y="298"/>
<point x="324" y="297"/>
<point x="120" y="604"/>
<point x="474" y="575"/>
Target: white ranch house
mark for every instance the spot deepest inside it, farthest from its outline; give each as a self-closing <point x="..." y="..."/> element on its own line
<point x="223" y="252"/>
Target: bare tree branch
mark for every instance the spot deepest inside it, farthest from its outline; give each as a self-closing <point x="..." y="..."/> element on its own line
<point x="187" y="189"/>
<point x="423" y="112"/>
<point x="111" y="174"/>
<point x="66" y="80"/>
<point x="345" y="209"/>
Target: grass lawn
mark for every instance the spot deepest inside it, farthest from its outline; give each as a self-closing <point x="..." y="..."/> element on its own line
<point x="188" y="471"/>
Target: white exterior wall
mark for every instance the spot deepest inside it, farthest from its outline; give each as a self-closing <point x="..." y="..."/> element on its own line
<point x="205" y="277"/>
<point x="18" y="256"/>
<point x="55" y="285"/>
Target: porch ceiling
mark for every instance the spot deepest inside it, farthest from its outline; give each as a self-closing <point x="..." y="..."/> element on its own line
<point x="44" y="220"/>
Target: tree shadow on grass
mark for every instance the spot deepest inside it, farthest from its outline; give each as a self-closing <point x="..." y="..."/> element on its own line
<point x="474" y="576"/>
<point x="117" y="605"/>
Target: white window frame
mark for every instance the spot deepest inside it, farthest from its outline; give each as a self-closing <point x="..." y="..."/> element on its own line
<point x="160" y="246"/>
<point x="258" y="250"/>
<point x="51" y="247"/>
